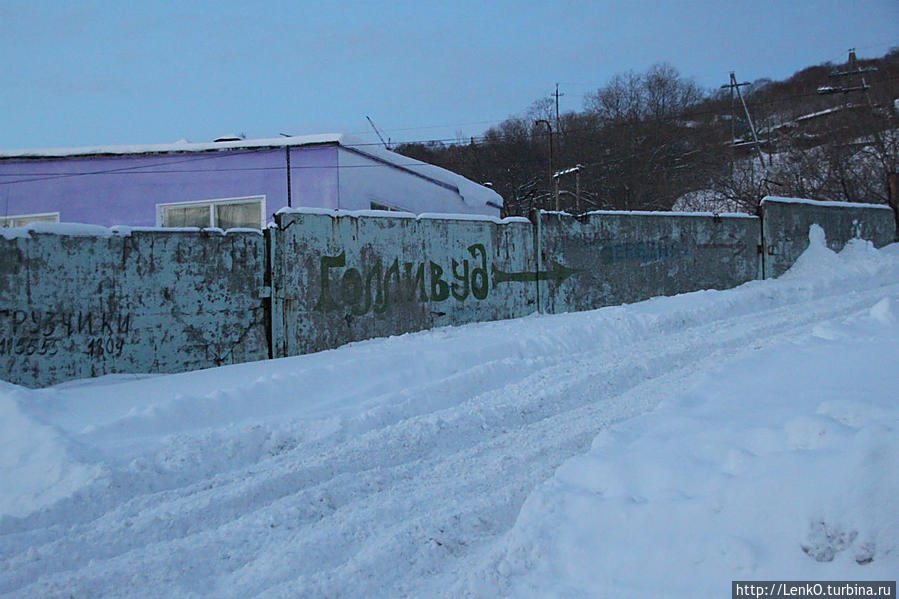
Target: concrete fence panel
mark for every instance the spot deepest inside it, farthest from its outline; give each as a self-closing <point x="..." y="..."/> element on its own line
<point x="608" y="258"/>
<point x="79" y="301"/>
<point x="81" y="305"/>
<point x="787" y="222"/>
<point x="345" y="277"/>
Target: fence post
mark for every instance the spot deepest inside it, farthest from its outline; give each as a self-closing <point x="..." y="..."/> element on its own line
<point x="894" y="198"/>
<point x="763" y="240"/>
<point x="535" y="220"/>
<point x="275" y="276"/>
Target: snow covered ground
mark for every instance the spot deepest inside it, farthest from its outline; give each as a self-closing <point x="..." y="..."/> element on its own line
<point x="658" y="449"/>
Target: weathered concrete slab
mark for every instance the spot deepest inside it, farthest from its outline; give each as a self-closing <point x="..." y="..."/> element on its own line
<point x="81" y="304"/>
<point x="148" y="301"/>
<point x="787" y="221"/>
<point x="344" y="277"/>
<point x="608" y="258"/>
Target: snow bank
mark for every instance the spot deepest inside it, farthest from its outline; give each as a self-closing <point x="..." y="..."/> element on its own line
<point x="656" y="449"/>
<point x="36" y="465"/>
<point x="776" y="467"/>
<point x="819" y="265"/>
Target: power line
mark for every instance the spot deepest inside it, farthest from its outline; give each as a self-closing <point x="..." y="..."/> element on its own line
<point x="133" y="170"/>
<point x="213" y="153"/>
<point x="155" y="171"/>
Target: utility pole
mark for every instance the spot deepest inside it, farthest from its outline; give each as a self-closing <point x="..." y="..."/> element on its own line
<point x="558" y="122"/>
<point x="287" y="158"/>
<point x="733" y="85"/>
<point x="577" y="189"/>
<point x="852" y="70"/>
<point x="551" y="180"/>
<point x="733" y="127"/>
<point x="556" y="193"/>
<point x="576" y="171"/>
<point x="854" y="76"/>
<point x="378" y="133"/>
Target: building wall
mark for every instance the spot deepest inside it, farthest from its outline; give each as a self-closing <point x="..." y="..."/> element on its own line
<point x="313" y="178"/>
<point x="364" y="180"/>
<point x="125" y="189"/>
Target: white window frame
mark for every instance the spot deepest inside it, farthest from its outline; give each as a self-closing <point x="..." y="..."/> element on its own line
<point x="385" y="207"/>
<point x="6" y="221"/>
<point x="161" y="208"/>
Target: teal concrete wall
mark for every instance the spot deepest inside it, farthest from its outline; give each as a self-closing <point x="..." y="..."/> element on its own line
<point x="76" y="306"/>
<point x="341" y="278"/>
<point x="77" y="303"/>
<point x="609" y="258"/>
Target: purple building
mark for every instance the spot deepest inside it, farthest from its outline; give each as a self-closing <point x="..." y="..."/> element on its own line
<point x="227" y="183"/>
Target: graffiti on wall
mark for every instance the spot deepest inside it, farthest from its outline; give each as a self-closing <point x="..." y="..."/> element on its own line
<point x="45" y="333"/>
<point x="376" y="287"/>
<point x="641" y="251"/>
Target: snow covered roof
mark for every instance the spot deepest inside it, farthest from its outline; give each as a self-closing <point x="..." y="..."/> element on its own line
<point x="472" y="193"/>
<point x="178" y="147"/>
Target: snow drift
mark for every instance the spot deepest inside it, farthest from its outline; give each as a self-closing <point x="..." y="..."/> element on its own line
<point x="660" y="448"/>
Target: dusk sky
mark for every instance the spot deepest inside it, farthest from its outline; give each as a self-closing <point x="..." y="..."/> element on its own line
<point x="101" y="72"/>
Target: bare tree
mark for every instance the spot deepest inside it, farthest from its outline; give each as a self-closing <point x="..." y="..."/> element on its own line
<point x="645" y="140"/>
<point x="620" y="100"/>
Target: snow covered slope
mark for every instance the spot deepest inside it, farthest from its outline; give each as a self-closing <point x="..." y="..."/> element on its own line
<point x="665" y="447"/>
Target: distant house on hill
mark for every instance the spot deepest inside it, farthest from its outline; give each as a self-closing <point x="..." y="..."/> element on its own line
<point x="227" y="183"/>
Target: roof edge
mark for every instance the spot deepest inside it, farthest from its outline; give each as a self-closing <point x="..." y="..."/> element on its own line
<point x="180" y="147"/>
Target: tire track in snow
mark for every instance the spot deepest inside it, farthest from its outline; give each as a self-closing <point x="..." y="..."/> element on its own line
<point x="378" y="499"/>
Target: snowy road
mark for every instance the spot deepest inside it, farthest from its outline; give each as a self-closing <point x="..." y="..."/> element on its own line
<point x="386" y="468"/>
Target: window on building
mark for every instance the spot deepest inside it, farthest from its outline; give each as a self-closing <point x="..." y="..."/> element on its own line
<point x="379" y="206"/>
<point x="227" y="213"/>
<point x="20" y="220"/>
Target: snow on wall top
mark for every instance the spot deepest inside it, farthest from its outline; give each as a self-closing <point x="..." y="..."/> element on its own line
<point x="823" y="203"/>
<point x="472" y="193"/>
<point x="338" y="213"/>
<point x="653" y="213"/>
<point x="88" y="230"/>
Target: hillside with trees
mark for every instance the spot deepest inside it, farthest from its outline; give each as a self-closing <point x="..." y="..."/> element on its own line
<point x="657" y="141"/>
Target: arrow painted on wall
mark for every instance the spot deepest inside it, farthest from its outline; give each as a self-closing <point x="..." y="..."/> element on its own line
<point x="558" y="273"/>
